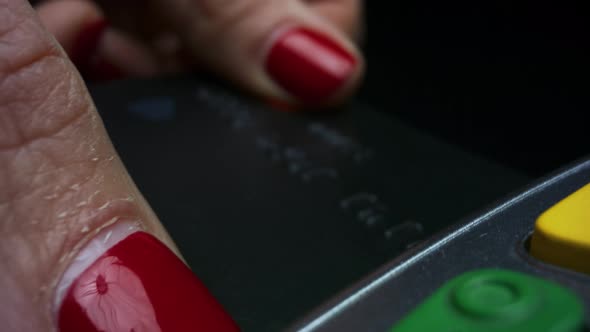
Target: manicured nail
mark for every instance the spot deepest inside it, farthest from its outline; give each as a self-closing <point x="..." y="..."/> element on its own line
<point x="309" y="65"/>
<point x="126" y="280"/>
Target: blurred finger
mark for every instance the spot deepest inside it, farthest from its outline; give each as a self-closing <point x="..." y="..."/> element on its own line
<point x="80" y="249"/>
<point x="100" y="51"/>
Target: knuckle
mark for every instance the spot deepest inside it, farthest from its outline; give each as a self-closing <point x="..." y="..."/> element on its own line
<point x="226" y="14"/>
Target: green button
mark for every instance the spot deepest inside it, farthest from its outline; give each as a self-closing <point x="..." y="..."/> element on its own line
<point x="493" y="296"/>
<point x="494" y="301"/>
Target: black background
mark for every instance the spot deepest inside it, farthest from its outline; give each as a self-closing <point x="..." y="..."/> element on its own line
<point x="504" y="79"/>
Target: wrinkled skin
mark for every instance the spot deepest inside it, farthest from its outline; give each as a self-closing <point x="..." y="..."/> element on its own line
<point x="61" y="181"/>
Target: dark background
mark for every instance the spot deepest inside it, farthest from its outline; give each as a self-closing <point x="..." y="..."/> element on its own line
<point x="504" y="79"/>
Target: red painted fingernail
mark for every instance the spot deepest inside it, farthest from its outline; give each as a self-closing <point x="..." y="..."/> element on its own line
<point x="309" y="65"/>
<point x="138" y="285"/>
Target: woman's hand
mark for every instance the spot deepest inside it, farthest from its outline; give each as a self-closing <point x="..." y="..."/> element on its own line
<point x="80" y="249"/>
<point x="298" y="50"/>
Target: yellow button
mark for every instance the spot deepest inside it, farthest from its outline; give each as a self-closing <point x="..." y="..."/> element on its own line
<point x="562" y="233"/>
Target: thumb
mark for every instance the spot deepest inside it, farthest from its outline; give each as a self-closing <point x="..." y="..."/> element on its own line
<point x="80" y="249"/>
<point x="279" y="49"/>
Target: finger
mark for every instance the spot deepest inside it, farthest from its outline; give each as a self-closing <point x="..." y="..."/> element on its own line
<point x="100" y="51"/>
<point x="280" y="49"/>
<point x="80" y="249"/>
<point x="347" y="15"/>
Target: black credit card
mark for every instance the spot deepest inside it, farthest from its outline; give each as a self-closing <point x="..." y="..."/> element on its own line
<point x="278" y="211"/>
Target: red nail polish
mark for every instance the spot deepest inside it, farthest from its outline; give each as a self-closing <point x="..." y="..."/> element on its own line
<point x="140" y="285"/>
<point x="309" y="65"/>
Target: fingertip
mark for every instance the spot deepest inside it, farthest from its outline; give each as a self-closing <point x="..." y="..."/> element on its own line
<point x="136" y="278"/>
<point x="313" y="67"/>
<point x="274" y="49"/>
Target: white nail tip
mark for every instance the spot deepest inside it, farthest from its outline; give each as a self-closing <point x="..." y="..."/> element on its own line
<point x="95" y="248"/>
